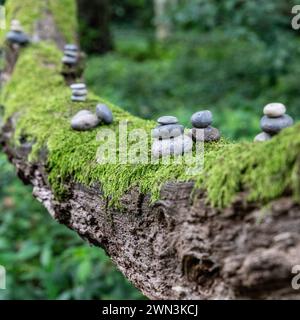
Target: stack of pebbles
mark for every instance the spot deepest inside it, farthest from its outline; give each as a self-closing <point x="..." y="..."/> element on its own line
<point x="86" y="120"/>
<point x="169" y="138"/>
<point x="71" y="55"/>
<point x="16" y="34"/>
<point x="79" y="92"/>
<point x="202" y="129"/>
<point x="274" y="120"/>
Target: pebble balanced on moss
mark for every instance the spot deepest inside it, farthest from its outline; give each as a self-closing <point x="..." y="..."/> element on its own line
<point x="16" y="34"/>
<point x="104" y="113"/>
<point x="169" y="138"/>
<point x="85" y="120"/>
<point x="274" y="120"/>
<point x="202" y="129"/>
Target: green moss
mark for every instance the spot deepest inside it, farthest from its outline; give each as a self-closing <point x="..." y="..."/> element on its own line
<point x="38" y="93"/>
<point x="25" y="11"/>
<point x="265" y="170"/>
<point x="28" y="12"/>
<point x="65" y="16"/>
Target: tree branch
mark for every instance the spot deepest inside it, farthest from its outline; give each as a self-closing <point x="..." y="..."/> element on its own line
<point x="175" y="248"/>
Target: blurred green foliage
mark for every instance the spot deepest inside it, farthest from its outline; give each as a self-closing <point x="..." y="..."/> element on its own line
<point x="45" y="260"/>
<point x="252" y="15"/>
<point x="230" y="56"/>
<point x="133" y="13"/>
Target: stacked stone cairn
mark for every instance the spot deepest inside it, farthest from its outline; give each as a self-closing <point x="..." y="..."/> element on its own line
<point x="169" y="138"/>
<point x="16" y="34"/>
<point x="71" y="55"/>
<point x="274" y="120"/>
<point x="202" y="130"/>
<point x="85" y="120"/>
<point x="79" y="92"/>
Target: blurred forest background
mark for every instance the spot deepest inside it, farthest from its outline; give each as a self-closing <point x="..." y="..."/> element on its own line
<point x="152" y="57"/>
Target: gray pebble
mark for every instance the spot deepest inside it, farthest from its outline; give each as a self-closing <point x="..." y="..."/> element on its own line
<point x="17" y="37"/>
<point x="202" y="119"/>
<point x="84" y="120"/>
<point x="211" y="134"/>
<point x="275" y="125"/>
<point x="262" y="137"/>
<point x="16" y="28"/>
<point x="80" y="92"/>
<point x="15" y="25"/>
<point x="69" y="60"/>
<point x="71" y="47"/>
<point x="208" y="134"/>
<point x="78" y="98"/>
<point x="274" y="110"/>
<point x="104" y="113"/>
<point x="78" y="86"/>
<point x="177" y="146"/>
<point x="167" y="131"/>
<point x="167" y="120"/>
<point x="72" y="54"/>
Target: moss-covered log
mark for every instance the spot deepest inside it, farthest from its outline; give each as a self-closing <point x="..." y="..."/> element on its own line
<point x="229" y="231"/>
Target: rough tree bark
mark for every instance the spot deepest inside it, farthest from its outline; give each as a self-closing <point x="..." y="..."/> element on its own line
<point x="177" y="249"/>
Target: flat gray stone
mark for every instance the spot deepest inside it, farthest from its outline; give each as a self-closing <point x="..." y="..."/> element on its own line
<point x="16" y="28"/>
<point x="177" y="146"/>
<point x="274" y="110"/>
<point x="262" y="137"/>
<point x="78" y="86"/>
<point x="17" y="37"/>
<point x="167" y="131"/>
<point x="15" y="25"/>
<point x="80" y="92"/>
<point x="275" y="125"/>
<point x="84" y="120"/>
<point x="208" y="134"/>
<point x="15" y="22"/>
<point x="69" y="60"/>
<point x="202" y="119"/>
<point x="71" y="54"/>
<point x="71" y="47"/>
<point x="104" y="113"/>
<point x="78" y="98"/>
<point x="167" y="120"/>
